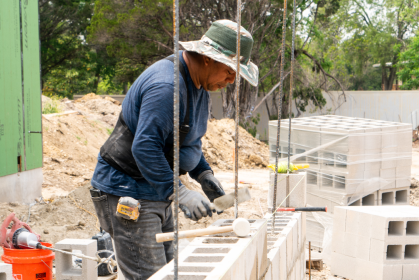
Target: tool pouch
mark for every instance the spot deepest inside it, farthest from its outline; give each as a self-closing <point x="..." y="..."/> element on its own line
<point x="128" y="208"/>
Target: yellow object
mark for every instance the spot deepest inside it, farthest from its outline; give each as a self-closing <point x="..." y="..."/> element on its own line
<point x="282" y="167"/>
<point x="128" y="208"/>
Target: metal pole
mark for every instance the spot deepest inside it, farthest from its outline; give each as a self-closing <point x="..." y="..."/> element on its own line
<point x="236" y="138"/>
<point x="176" y="137"/>
<point x="290" y="98"/>
<point x="309" y="260"/>
<point x="284" y="21"/>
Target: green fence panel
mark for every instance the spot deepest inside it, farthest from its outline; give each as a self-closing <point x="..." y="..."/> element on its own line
<point x="11" y="103"/>
<point x="31" y="84"/>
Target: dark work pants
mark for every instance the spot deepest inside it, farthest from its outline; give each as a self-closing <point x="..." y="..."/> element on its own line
<point x="138" y="254"/>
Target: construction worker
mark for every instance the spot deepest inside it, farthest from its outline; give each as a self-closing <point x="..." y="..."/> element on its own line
<point x="136" y="161"/>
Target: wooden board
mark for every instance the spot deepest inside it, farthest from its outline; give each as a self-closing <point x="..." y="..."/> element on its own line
<point x="31" y="84"/>
<point x="11" y="111"/>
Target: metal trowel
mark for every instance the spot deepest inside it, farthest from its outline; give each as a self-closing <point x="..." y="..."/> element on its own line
<point x="226" y="201"/>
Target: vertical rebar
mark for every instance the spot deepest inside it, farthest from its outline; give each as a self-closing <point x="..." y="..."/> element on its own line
<point x="281" y="86"/>
<point x="309" y="260"/>
<point x="290" y="97"/>
<point x="236" y="135"/>
<point x="176" y="137"/>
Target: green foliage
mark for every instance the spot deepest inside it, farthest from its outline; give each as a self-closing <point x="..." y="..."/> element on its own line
<point x="409" y="65"/>
<point x="109" y="130"/>
<point x="305" y="94"/>
<point x="52" y="106"/>
<point x="250" y="124"/>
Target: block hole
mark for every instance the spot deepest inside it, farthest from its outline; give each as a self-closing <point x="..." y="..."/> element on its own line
<point x="195" y="269"/>
<point x="231" y="221"/>
<point x="401" y="197"/>
<point x="395" y="228"/>
<point x="311" y="178"/>
<point x="201" y="259"/>
<point x="186" y="277"/>
<point x="3" y="276"/>
<point x="340" y="182"/>
<point x="411" y="252"/>
<point x="300" y="151"/>
<point x="394" y="252"/>
<point x="220" y="240"/>
<point x="387" y="198"/>
<point x="328" y="159"/>
<point x="211" y="250"/>
<point x="341" y="160"/>
<point x="368" y="200"/>
<point x="227" y="234"/>
<point x="356" y="203"/>
<point x="313" y="158"/>
<point x="285" y="152"/>
<point x="412" y="228"/>
<point x="327" y="180"/>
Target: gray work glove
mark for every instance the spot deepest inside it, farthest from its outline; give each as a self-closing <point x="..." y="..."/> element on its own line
<point x="210" y="185"/>
<point x="193" y="204"/>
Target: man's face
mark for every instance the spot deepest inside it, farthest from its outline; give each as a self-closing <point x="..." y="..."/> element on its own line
<point x="219" y="76"/>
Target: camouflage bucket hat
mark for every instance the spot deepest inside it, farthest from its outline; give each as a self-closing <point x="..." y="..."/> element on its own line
<point x="220" y="43"/>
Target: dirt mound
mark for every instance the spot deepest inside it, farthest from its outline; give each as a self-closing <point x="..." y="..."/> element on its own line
<point x="218" y="146"/>
<point x="71" y="146"/>
<point x="95" y="107"/>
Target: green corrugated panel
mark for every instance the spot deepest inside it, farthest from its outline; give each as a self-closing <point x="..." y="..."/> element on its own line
<point x="31" y="84"/>
<point x="11" y="114"/>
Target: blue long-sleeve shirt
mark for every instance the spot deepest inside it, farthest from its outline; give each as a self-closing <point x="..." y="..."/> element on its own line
<point x="148" y="113"/>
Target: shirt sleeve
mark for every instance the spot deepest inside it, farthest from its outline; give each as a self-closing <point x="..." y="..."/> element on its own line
<point x="201" y="167"/>
<point x="155" y="125"/>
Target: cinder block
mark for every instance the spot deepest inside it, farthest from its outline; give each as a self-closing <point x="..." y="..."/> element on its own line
<point x="343" y="266"/>
<point x="362" y="249"/>
<point x="351" y="244"/>
<point x="352" y="222"/>
<point x="63" y="262"/>
<point x="6" y="271"/>
<point x="297" y="197"/>
<point x="410" y="271"/>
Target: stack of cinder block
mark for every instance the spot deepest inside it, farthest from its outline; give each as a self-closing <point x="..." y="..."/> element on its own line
<point x="376" y="243"/>
<point x="353" y="161"/>
<point x="222" y="256"/>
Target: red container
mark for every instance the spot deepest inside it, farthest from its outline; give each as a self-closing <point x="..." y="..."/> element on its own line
<point x="30" y="264"/>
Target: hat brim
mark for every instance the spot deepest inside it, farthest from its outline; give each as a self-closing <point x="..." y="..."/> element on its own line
<point x="249" y="72"/>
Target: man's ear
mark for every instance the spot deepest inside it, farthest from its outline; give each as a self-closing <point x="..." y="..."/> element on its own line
<point x="207" y="60"/>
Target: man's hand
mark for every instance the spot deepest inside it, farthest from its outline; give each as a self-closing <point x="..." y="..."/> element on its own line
<point x="210" y="185"/>
<point x="193" y="204"/>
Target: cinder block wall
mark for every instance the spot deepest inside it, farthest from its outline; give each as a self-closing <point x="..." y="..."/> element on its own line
<point x="286" y="247"/>
<point x="376" y="242"/>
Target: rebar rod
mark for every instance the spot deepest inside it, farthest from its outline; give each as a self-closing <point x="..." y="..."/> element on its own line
<point x="284" y="26"/>
<point x="236" y="135"/>
<point x="176" y="137"/>
<point x="290" y="95"/>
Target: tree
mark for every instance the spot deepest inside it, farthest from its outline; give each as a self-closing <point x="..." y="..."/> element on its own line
<point x="409" y="65"/>
<point x="140" y="32"/>
<point x="375" y="32"/>
<point x="62" y="29"/>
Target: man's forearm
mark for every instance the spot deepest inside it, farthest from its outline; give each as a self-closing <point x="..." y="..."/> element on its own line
<point x="201" y="167"/>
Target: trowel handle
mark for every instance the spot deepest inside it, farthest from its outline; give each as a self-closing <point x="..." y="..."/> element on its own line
<point x="168" y="236"/>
